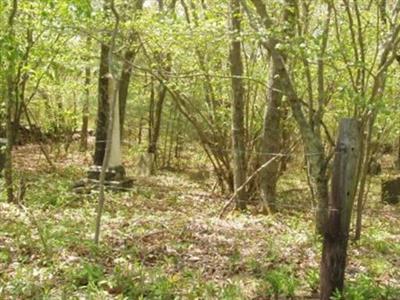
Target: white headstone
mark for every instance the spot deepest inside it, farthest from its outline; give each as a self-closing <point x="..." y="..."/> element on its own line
<point x="115" y="152"/>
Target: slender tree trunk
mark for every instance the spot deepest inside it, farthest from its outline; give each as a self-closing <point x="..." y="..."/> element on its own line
<point x="382" y="10"/>
<point x="151" y="112"/>
<point x="178" y="139"/>
<point x="313" y="146"/>
<point x="271" y="142"/>
<point x="139" y="140"/>
<point x="157" y="117"/>
<point x="377" y="92"/>
<point x="156" y="113"/>
<point x="272" y="130"/>
<point x="312" y="142"/>
<point x="126" y="73"/>
<point x="85" y="112"/>
<point x="165" y="161"/>
<point x="103" y="107"/>
<point x="238" y="106"/>
<point x="124" y="87"/>
<point x="398" y="153"/>
<point x="171" y="138"/>
<point x="366" y="153"/>
<point x="8" y="168"/>
<point x="157" y="120"/>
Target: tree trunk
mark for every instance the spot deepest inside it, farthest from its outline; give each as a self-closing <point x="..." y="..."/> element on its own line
<point x="364" y="164"/>
<point x="8" y="168"/>
<point x="103" y="107"/>
<point x="238" y="133"/>
<point x="139" y="138"/>
<point x="155" y="133"/>
<point x="126" y="73"/>
<point x="272" y="129"/>
<point x="156" y="120"/>
<point x="313" y="146"/>
<point x="398" y="154"/>
<point x="10" y="102"/>
<point x="124" y="87"/>
<point x="271" y="142"/>
<point x="85" y="112"/>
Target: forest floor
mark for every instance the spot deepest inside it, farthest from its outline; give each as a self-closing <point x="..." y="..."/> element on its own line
<point x="164" y="240"/>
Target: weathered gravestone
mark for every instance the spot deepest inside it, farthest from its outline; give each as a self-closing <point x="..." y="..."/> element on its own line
<point x="391" y="191"/>
<point x="115" y="176"/>
<point x="3" y="143"/>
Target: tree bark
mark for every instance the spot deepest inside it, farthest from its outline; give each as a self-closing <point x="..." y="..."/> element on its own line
<point x="126" y="73"/>
<point x="156" y="117"/>
<point x="238" y="106"/>
<point x="10" y="102"/>
<point x="8" y="168"/>
<point x="85" y="112"/>
<point x="312" y="142"/>
<point x="124" y="87"/>
<point x="271" y="142"/>
<point x="103" y="107"/>
<point x="272" y="129"/>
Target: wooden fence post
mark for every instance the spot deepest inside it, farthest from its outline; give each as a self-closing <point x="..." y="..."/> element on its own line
<point x="336" y="232"/>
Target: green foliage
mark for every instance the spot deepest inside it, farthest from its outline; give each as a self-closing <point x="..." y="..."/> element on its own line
<point x="86" y="274"/>
<point x="57" y="194"/>
<point x="380" y="241"/>
<point x="24" y="286"/>
<point x="365" y="288"/>
<point x="312" y="279"/>
<point x="135" y="283"/>
<point x="231" y="291"/>
<point x="256" y="262"/>
<point x="279" y="282"/>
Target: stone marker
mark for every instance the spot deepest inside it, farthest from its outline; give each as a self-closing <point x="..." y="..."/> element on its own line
<point x="115" y="171"/>
<point x="3" y="143"/>
<point x="115" y="174"/>
<point x="391" y="191"/>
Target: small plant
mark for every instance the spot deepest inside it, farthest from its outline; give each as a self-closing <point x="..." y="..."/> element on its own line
<point x="312" y="279"/>
<point x="256" y="268"/>
<point x="365" y="288"/>
<point x="88" y="274"/>
<point x="127" y="282"/>
<point x="280" y="282"/>
<point x="231" y="291"/>
<point x="235" y="260"/>
<point x="133" y="283"/>
<point x="5" y="256"/>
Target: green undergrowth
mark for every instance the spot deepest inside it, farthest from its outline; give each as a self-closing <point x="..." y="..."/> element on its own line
<point x="164" y="240"/>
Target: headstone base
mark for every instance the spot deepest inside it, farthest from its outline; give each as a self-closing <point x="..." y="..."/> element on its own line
<point x="112" y="174"/>
<point x="115" y="180"/>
